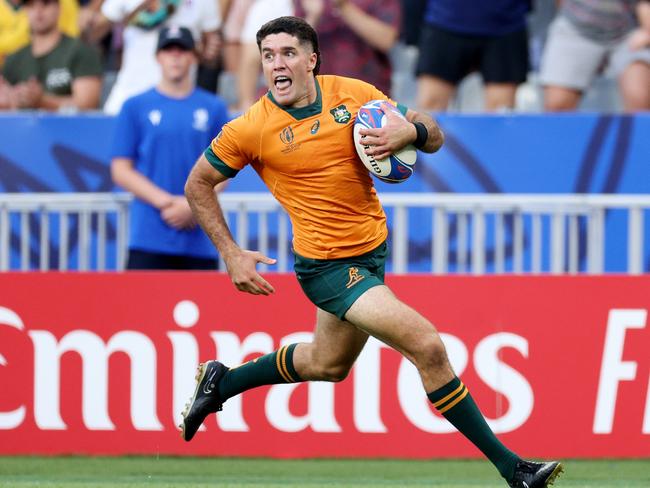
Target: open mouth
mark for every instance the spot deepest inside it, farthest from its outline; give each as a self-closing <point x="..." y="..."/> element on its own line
<point x="282" y="82"/>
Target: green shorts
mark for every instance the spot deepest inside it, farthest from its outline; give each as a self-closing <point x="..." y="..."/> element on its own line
<point x="335" y="284"/>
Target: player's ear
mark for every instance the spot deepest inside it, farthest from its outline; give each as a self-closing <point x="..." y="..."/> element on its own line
<point x="313" y="58"/>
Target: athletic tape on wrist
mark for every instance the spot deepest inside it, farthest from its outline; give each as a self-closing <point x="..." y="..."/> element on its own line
<point x="422" y="135"/>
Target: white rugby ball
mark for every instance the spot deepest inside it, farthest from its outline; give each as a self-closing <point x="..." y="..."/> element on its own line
<point x="399" y="165"/>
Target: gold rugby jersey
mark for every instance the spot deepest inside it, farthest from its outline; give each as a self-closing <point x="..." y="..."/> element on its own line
<point x="307" y="159"/>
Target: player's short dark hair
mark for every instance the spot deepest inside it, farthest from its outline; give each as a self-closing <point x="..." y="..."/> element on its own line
<point x="294" y="26"/>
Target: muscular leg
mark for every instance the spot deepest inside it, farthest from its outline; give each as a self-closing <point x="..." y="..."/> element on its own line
<point x="379" y="313"/>
<point x="328" y="357"/>
<point x="382" y="315"/>
<point x="333" y="351"/>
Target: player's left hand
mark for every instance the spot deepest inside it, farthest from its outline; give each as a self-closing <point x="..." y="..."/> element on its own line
<point x="393" y="136"/>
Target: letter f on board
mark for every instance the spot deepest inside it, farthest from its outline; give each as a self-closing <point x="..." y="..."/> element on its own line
<point x="613" y="369"/>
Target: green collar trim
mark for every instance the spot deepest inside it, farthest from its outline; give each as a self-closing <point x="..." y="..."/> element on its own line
<point x="303" y="112"/>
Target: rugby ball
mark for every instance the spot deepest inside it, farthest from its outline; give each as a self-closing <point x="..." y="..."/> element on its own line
<point x="399" y="165"/>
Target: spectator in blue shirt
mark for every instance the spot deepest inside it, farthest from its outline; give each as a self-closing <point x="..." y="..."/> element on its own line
<point x="158" y="136"/>
<point x="462" y="36"/>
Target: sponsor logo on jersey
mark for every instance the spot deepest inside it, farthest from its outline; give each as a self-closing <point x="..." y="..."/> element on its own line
<point x="341" y="114"/>
<point x="315" y="127"/>
<point x="354" y="277"/>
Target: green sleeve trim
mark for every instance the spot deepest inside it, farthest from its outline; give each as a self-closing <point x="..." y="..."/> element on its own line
<point x="218" y="164"/>
<point x="402" y="108"/>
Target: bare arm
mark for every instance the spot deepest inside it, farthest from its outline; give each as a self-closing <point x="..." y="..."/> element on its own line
<point x="210" y="47"/>
<point x="224" y="8"/>
<point x="95" y="25"/>
<point x="86" y="91"/>
<point x="7" y="99"/>
<point x="241" y="264"/>
<point x="398" y="133"/>
<point x="640" y="39"/>
<point x="174" y="209"/>
<point x="378" y="34"/>
<point x="127" y="177"/>
<point x="435" y="136"/>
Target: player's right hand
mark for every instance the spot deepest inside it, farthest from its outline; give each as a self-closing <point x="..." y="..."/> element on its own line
<point x="242" y="268"/>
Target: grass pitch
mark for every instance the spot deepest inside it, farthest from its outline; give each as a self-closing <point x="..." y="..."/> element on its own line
<point x="175" y="472"/>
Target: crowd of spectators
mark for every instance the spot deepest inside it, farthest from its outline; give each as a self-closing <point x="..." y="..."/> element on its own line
<point x="94" y="54"/>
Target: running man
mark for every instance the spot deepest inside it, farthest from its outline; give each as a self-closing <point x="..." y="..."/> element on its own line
<point x="298" y="138"/>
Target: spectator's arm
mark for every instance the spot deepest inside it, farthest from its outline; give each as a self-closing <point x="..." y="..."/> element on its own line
<point x="643" y="14"/>
<point x="378" y="34"/>
<point x="85" y="95"/>
<point x="86" y="91"/>
<point x="127" y="177"/>
<point x="7" y="101"/>
<point x="224" y="8"/>
<point x="313" y="11"/>
<point x="210" y="47"/>
<point x="640" y="38"/>
<point x="174" y="209"/>
<point x="93" y="24"/>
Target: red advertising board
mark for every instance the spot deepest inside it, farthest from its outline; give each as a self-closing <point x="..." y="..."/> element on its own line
<point x="103" y="364"/>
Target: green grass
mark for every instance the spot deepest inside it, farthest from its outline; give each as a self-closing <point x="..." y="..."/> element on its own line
<point x="174" y="472"/>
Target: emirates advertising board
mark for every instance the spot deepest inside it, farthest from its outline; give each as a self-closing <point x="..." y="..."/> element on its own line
<point x="104" y="363"/>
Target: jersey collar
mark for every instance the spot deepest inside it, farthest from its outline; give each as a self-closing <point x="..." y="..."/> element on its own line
<point x="301" y="113"/>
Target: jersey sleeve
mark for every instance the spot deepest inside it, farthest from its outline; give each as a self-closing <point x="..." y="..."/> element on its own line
<point x="234" y="147"/>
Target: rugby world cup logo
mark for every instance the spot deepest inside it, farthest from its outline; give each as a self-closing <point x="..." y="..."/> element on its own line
<point x="286" y="136"/>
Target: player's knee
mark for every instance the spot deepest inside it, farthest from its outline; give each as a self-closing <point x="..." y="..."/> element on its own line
<point x="333" y="372"/>
<point x="431" y="354"/>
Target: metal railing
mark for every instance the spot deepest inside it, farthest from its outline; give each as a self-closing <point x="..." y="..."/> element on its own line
<point x="434" y="233"/>
<point x="521" y="233"/>
<point x="63" y="231"/>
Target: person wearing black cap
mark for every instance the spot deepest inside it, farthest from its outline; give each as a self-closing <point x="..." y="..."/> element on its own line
<point x="157" y="136"/>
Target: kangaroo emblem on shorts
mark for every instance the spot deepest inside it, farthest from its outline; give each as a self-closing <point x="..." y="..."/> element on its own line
<point x="355" y="277"/>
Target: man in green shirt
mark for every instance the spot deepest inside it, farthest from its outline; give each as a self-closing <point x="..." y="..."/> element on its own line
<point x="53" y="72"/>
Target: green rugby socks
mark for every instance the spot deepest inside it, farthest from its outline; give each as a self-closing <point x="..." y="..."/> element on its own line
<point x="270" y="369"/>
<point x="455" y="403"/>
